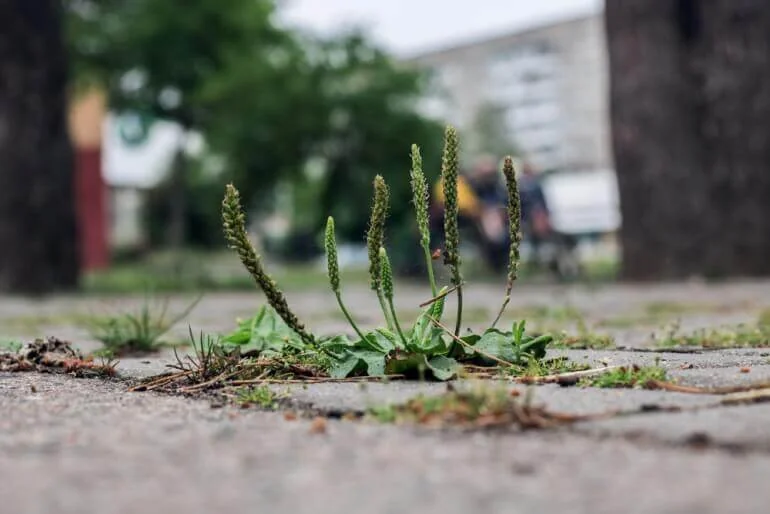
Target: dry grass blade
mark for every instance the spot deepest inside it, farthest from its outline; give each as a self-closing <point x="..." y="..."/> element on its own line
<point x="318" y="380"/>
<point x="670" y="386"/>
<point x="569" y="376"/>
<point x="159" y="381"/>
<point x="216" y="381"/>
<point x="440" y="296"/>
<point x="753" y="396"/>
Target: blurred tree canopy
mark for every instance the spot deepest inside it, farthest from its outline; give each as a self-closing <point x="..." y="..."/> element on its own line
<point x="268" y="100"/>
<point x="490" y="130"/>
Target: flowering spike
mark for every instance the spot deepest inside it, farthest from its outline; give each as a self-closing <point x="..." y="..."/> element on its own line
<point x="420" y="199"/>
<point x="450" y="168"/>
<point x="332" y="263"/>
<point x="387" y="290"/>
<point x="375" y="236"/>
<point x="234" y="225"/>
<point x="387" y="275"/>
<point x="514" y="228"/>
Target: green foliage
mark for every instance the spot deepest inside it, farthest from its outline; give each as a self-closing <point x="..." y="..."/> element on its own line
<point x="372" y="107"/>
<point x="233" y="74"/>
<point x="479" y="407"/>
<point x="427" y="350"/>
<point x="514" y="347"/>
<point x="745" y="335"/>
<point x="135" y="333"/>
<point x="422" y="353"/>
<point x="266" y="334"/>
<point x="583" y="340"/>
<point x="261" y="396"/>
<point x="626" y="377"/>
<point x="10" y="346"/>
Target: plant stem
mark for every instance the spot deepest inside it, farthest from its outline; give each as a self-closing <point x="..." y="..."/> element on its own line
<point x="395" y="320"/>
<point x="429" y="264"/>
<point x="459" y="310"/>
<point x="506" y="300"/>
<point x="383" y="306"/>
<point x="348" y="316"/>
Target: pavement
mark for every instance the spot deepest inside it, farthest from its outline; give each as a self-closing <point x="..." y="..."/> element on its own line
<point x="86" y="446"/>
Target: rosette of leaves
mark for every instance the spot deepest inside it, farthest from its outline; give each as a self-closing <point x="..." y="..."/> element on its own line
<point x="423" y="352"/>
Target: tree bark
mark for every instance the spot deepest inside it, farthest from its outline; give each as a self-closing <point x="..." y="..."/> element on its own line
<point x="38" y="236"/>
<point x="731" y="61"/>
<point x="689" y="104"/>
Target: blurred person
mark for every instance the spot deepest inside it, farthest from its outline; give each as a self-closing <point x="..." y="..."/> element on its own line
<point x="481" y="198"/>
<point x="535" y="217"/>
<point x="486" y="181"/>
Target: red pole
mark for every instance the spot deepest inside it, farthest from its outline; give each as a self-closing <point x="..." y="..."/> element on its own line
<point x="86" y="121"/>
<point x="94" y="254"/>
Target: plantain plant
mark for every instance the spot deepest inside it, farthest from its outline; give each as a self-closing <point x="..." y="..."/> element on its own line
<point x="427" y="349"/>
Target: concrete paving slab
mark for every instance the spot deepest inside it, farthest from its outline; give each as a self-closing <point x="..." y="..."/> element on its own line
<point x="741" y="427"/>
<point x="344" y="397"/>
<point x="82" y="447"/>
<point x="723" y="377"/>
<point x="669" y="360"/>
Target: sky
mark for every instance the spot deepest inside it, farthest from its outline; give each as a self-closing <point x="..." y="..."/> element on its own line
<point x="408" y="27"/>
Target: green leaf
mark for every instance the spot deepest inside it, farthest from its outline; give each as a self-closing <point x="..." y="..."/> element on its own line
<point x="386" y="339"/>
<point x="536" y="346"/>
<point x="498" y="344"/>
<point x="513" y="347"/>
<point x="423" y="333"/>
<point x="345" y="367"/>
<point x="443" y="368"/>
<point x="438" y="306"/>
<point x="337" y="345"/>
<point x="434" y="343"/>
<point x="375" y="363"/>
<point x="265" y="332"/>
<point x="461" y="351"/>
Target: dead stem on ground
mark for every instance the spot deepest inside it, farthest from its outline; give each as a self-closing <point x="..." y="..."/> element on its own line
<point x="726" y="390"/>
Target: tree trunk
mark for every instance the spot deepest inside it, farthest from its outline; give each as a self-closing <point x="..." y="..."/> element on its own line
<point x="688" y="106"/>
<point x="38" y="236"/>
<point x="732" y="66"/>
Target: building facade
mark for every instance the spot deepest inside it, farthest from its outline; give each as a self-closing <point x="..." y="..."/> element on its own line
<point x="546" y="85"/>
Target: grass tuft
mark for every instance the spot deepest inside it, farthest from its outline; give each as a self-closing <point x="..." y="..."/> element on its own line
<point x="627" y="377"/>
<point x="135" y="333"/>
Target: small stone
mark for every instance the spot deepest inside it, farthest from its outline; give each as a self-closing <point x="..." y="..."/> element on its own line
<point x="318" y="425"/>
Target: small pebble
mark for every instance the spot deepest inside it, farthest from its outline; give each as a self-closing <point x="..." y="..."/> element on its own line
<point x="318" y="425"/>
